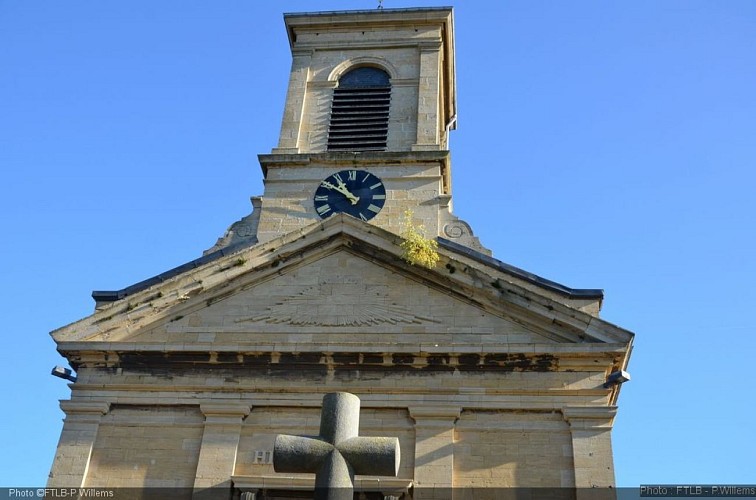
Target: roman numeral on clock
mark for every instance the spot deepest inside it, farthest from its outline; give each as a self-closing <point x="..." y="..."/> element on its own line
<point x="323" y="209"/>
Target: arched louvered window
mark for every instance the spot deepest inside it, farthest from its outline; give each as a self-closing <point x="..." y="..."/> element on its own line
<point x="360" y="111"/>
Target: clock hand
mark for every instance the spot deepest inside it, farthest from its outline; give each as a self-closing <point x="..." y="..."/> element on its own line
<point x="341" y="188"/>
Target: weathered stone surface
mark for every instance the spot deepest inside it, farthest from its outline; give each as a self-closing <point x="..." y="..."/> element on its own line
<point x="337" y="453"/>
<point x="458" y="340"/>
<point x="486" y="375"/>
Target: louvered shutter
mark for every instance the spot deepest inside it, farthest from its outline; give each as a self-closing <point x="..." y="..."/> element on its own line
<point x="360" y="111"/>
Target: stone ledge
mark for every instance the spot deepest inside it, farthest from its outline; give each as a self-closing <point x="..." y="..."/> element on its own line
<point x="415" y="348"/>
<point x="385" y="485"/>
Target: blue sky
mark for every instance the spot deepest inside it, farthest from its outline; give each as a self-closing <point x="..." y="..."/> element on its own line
<point x="600" y="144"/>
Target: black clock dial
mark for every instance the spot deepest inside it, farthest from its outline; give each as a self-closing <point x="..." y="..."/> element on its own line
<point x="355" y="192"/>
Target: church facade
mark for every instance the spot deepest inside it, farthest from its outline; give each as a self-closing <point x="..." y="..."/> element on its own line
<point x="489" y="376"/>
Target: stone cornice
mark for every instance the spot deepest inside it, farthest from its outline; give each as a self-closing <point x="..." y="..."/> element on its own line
<point x="364" y="158"/>
<point x="572" y="331"/>
<point x="372" y="345"/>
<point x="442" y="406"/>
<point x="390" y="357"/>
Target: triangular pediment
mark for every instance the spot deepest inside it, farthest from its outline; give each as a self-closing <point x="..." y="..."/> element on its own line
<point x="339" y="281"/>
<point x="339" y="296"/>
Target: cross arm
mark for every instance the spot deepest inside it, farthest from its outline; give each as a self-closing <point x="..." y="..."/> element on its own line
<point x="299" y="453"/>
<point x="376" y="456"/>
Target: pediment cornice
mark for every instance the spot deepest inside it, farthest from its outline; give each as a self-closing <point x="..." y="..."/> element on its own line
<point x="474" y="282"/>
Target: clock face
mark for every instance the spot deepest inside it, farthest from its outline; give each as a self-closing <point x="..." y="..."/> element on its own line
<point x="355" y="192"/>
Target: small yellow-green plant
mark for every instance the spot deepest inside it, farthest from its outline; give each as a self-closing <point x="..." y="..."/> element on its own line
<point x="419" y="250"/>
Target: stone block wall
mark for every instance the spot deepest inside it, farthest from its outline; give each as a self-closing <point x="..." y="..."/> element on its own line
<point x="326" y="66"/>
<point x="501" y="449"/>
<point x="138" y="446"/>
<point x="288" y="205"/>
<point x="161" y="446"/>
<point x="412" y="55"/>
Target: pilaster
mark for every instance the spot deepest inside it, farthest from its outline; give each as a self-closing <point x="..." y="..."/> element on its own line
<point x="428" y="98"/>
<point x="288" y="142"/>
<point x="71" y="463"/>
<point x="220" y="442"/>
<point x="434" y="450"/>
<point x="591" y="445"/>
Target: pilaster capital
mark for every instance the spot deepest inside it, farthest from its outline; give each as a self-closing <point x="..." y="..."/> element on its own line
<point x="435" y="414"/>
<point x="224" y="413"/>
<point x="430" y="46"/>
<point x="298" y="53"/>
<point x="89" y="408"/>
<point x="589" y="417"/>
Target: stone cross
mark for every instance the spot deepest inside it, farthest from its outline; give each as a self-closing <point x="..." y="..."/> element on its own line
<point x="337" y="453"/>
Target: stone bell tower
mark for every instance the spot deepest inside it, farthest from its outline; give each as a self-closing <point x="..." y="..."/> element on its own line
<point x="490" y="377"/>
<point x="369" y="91"/>
<point x="414" y="47"/>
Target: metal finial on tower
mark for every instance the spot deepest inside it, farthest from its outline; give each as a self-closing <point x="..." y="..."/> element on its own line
<point x="380" y="4"/>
